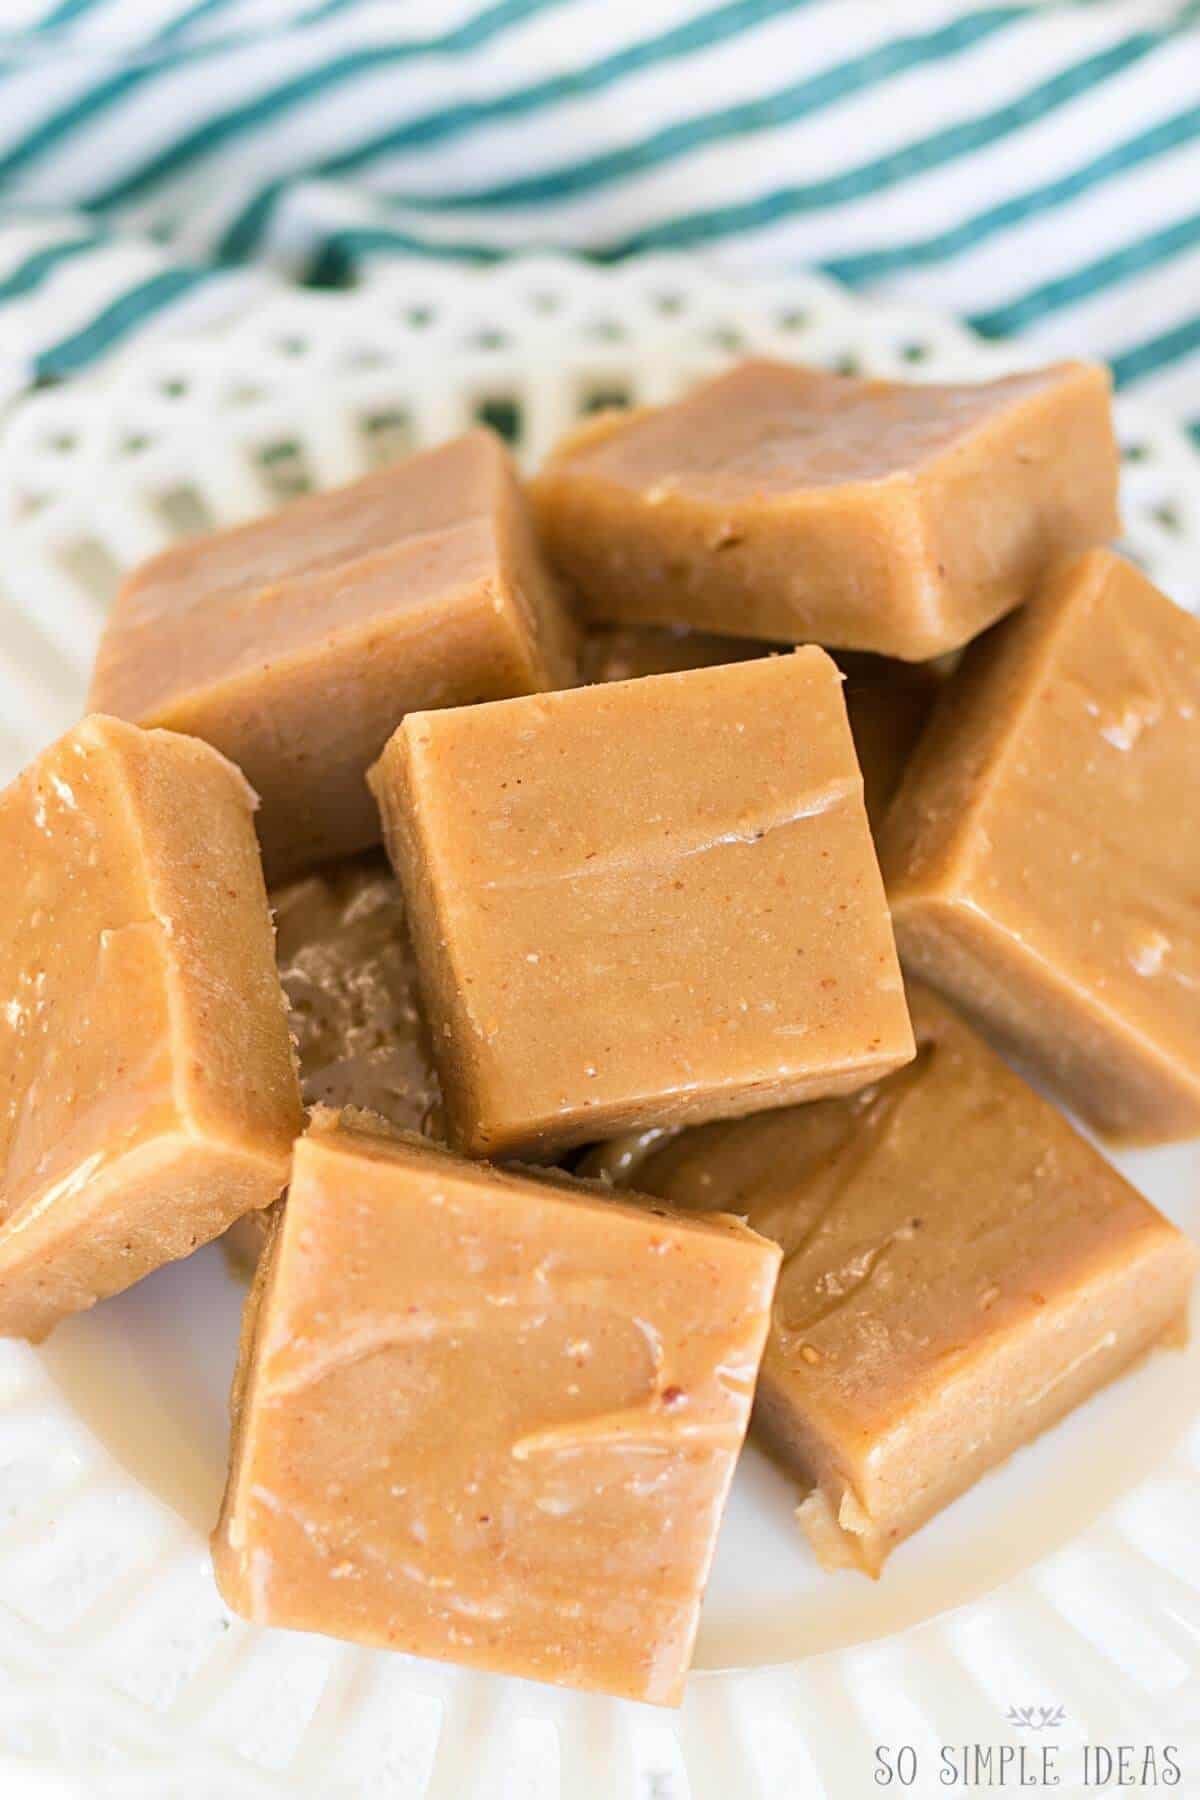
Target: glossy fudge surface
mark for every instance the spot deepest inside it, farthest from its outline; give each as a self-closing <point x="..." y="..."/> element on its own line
<point x="149" y="1093"/>
<point x="488" y="1417"/>
<point x="1041" y="858"/>
<point x="648" y="902"/>
<point x="295" y="644"/>
<point x="782" y="502"/>
<point x="960" y="1269"/>
<point x="888" y="702"/>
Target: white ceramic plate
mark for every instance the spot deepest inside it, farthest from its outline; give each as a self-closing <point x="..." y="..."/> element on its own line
<point x="1069" y="1579"/>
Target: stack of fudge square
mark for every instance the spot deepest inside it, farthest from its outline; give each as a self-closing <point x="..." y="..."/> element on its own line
<point x="606" y="1122"/>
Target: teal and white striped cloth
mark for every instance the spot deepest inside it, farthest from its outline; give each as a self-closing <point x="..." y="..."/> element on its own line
<point x="1034" y="168"/>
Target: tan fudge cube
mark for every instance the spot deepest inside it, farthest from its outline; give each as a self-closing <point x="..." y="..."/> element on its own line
<point x="782" y="502"/>
<point x="295" y="644"/>
<point x="489" y="1418"/>
<point x="1041" y="856"/>
<point x="149" y="1091"/>
<point x="961" y="1269"/>
<point x="648" y="902"/>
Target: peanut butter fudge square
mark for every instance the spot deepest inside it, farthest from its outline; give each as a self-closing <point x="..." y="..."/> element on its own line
<point x="1041" y="856"/>
<point x="961" y="1268"/>
<point x="487" y="1417"/>
<point x="296" y="644"/>
<point x="786" y="503"/>
<point x="647" y="902"/>
<point x="149" y="1093"/>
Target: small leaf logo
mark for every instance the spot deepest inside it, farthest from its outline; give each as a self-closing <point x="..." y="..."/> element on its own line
<point x="1036" y="1718"/>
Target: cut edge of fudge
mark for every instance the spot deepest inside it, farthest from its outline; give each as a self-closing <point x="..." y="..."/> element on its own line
<point x="193" y="1191"/>
<point x="454" y="1045"/>
<point x="952" y="789"/>
<point x="259" y="1272"/>
<point x="936" y="830"/>
<point x="955" y="513"/>
<point x="542" y="605"/>
<point x="1110" y="1319"/>
<point x="982" y="969"/>
<point x="198" y="921"/>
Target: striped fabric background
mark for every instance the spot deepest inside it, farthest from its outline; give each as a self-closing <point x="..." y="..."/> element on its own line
<point x="1033" y="167"/>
